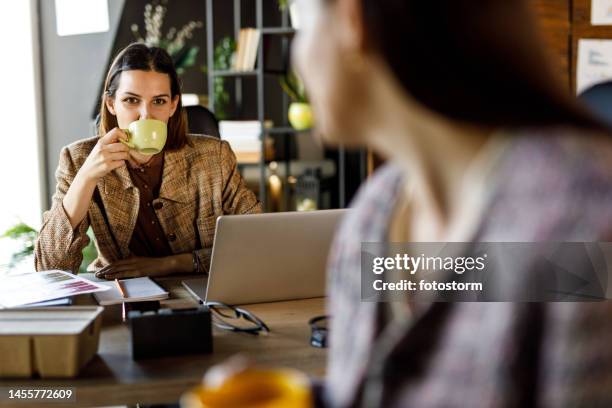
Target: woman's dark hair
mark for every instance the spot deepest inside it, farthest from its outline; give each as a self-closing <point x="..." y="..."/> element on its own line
<point x="479" y="61"/>
<point x="138" y="56"/>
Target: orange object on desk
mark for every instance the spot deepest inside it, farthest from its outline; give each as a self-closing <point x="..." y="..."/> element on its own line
<point x="254" y="388"/>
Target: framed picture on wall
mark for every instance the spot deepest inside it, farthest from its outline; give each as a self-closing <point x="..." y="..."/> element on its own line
<point x="594" y="63"/>
<point x="601" y="12"/>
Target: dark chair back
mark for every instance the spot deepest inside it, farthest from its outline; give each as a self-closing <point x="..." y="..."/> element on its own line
<point x="598" y="99"/>
<point x="202" y="121"/>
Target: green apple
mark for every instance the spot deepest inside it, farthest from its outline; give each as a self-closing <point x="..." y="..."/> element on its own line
<point x="300" y="115"/>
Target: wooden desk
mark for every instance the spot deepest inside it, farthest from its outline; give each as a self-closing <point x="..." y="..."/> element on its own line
<point x="113" y="378"/>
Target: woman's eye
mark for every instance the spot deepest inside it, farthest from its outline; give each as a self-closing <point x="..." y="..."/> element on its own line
<point x="130" y="100"/>
<point x="159" y="101"/>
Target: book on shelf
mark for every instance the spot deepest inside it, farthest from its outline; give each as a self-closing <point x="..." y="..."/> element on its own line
<point x="246" y="49"/>
<point x="191" y="99"/>
<point x="244" y="137"/>
<point x="239" y="53"/>
<point x="252" y="44"/>
<point x="248" y="157"/>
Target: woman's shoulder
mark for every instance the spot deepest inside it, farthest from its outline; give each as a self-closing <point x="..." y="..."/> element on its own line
<point x="202" y="141"/>
<point x="557" y="182"/>
<point x="204" y="144"/>
<point x="206" y="149"/>
<point x="78" y="151"/>
<point x="559" y="160"/>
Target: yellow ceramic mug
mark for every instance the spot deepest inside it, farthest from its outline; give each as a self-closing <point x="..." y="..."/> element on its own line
<point x="146" y="136"/>
<point x="254" y="388"/>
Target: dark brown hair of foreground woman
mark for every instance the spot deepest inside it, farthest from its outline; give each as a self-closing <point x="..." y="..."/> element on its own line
<point x="484" y="144"/>
<point x="474" y="61"/>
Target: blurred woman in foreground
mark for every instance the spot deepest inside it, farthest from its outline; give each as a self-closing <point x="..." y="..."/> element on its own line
<point x="482" y="144"/>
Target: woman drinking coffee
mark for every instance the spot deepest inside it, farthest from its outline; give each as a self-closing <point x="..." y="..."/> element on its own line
<point x="152" y="206"/>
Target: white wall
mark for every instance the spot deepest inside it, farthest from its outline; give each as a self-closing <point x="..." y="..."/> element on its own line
<point x="20" y="183"/>
<point x="74" y="68"/>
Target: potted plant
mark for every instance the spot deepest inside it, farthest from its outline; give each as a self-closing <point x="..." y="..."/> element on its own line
<point x="300" y="113"/>
<point x="223" y="56"/>
<point x="27" y="235"/>
<point x="174" y="42"/>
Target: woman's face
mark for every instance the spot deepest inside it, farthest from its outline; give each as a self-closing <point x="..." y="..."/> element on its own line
<point x="142" y="95"/>
<point x="327" y="58"/>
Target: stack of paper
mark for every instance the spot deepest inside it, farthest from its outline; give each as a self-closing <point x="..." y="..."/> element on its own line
<point x="244" y="137"/>
<point x="18" y="290"/>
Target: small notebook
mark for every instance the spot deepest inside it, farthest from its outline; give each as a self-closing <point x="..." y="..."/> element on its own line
<point x="136" y="290"/>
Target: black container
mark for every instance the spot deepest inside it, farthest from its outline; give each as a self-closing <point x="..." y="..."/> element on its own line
<point x="166" y="332"/>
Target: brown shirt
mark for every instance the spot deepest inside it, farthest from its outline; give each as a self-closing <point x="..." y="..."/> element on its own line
<point x="148" y="238"/>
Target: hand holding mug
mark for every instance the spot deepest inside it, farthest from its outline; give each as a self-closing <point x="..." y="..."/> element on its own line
<point x="107" y="155"/>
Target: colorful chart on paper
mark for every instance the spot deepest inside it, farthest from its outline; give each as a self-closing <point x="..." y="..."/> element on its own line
<point x="29" y="288"/>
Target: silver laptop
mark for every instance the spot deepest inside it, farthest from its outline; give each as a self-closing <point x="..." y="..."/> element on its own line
<point x="268" y="257"/>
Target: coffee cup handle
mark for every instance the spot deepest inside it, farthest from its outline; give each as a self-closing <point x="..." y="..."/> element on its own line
<point x="127" y="143"/>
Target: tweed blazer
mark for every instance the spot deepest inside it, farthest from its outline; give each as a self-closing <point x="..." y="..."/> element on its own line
<point x="199" y="183"/>
<point x="552" y="185"/>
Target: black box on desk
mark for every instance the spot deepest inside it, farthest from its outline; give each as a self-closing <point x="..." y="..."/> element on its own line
<point x="167" y="332"/>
